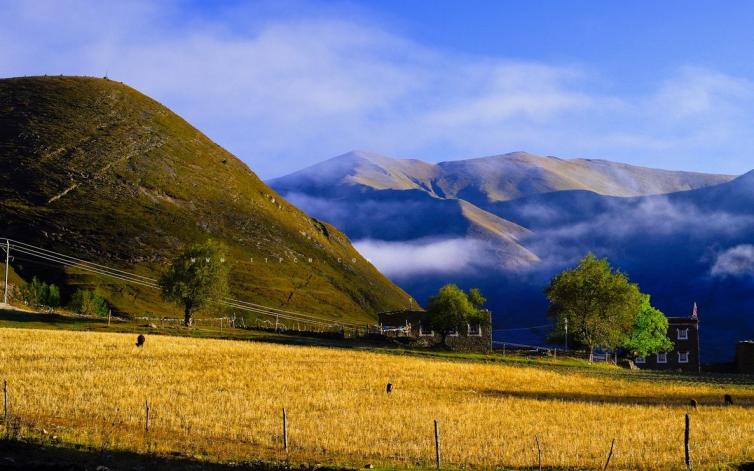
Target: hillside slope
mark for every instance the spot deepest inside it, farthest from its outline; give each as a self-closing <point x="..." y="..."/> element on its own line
<point x="95" y="169"/>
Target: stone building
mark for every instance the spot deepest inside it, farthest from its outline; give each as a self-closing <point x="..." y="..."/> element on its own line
<point x="413" y="324"/>
<point x="745" y="357"/>
<point x="684" y="333"/>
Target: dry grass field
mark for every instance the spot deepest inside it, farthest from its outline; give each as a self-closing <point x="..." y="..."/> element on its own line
<point x="221" y="400"/>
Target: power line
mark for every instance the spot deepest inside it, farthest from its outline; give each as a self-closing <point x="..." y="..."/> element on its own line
<point x="524" y="328"/>
<point x="141" y="280"/>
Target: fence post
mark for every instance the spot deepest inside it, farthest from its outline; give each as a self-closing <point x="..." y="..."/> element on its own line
<point x="109" y="315"/>
<point x="5" y="402"/>
<point x="7" y="262"/>
<point x="609" y="455"/>
<point x="437" y="445"/>
<point x="285" y="430"/>
<point x="539" y="452"/>
<point x="146" y="412"/>
<point x="686" y="437"/>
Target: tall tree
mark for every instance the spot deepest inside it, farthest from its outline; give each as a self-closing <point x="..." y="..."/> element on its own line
<point x="197" y="277"/>
<point x="451" y="310"/>
<point x="649" y="334"/>
<point x="476" y="298"/>
<point x="599" y="303"/>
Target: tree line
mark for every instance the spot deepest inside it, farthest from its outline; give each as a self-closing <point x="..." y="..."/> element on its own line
<point x="601" y="307"/>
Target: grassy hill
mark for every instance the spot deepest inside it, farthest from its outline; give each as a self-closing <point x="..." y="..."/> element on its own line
<point x="94" y="169"/>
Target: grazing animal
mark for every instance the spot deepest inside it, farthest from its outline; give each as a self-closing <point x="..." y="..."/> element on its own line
<point x="728" y="400"/>
<point x="389" y="388"/>
<point x="693" y="403"/>
<point x="140" y="340"/>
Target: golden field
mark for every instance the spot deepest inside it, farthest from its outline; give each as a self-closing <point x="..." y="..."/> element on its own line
<point x="222" y="400"/>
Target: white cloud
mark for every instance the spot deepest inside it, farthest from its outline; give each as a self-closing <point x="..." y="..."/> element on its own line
<point x="410" y="258"/>
<point x="286" y="91"/>
<point x="735" y="262"/>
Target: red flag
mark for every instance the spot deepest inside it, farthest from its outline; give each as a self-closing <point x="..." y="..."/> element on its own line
<point x="695" y="313"/>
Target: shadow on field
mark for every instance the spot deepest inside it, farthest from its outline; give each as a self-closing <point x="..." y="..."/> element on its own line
<point x="51" y="318"/>
<point x="708" y="400"/>
<point x="17" y="456"/>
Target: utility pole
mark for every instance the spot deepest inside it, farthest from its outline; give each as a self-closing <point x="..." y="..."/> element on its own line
<point x="7" y="260"/>
<point x="566" y="334"/>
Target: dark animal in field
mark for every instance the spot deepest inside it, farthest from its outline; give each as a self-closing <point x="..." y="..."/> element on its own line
<point x="728" y="400"/>
<point x="693" y="404"/>
<point x="389" y="388"/>
<point x="140" y="340"/>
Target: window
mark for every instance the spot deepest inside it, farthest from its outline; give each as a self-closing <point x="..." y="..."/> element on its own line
<point x="683" y="334"/>
<point x="453" y="333"/>
<point x="662" y="357"/>
<point x="425" y="333"/>
<point x="683" y="357"/>
<point x="475" y="330"/>
<point x="640" y="360"/>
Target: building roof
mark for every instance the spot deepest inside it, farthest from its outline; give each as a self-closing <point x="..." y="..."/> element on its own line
<point x="399" y="318"/>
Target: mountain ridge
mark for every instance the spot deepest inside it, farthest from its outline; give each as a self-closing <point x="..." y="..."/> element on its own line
<point x="509" y="223"/>
<point x="494" y="178"/>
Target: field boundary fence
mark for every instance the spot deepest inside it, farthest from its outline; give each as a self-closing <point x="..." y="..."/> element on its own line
<point x="541" y="351"/>
<point x="13" y="420"/>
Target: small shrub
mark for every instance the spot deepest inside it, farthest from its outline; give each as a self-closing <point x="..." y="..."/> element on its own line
<point x="88" y="302"/>
<point x="39" y="293"/>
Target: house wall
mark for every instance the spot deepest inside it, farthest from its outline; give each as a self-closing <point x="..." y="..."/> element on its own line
<point x="690" y="345"/>
<point x="461" y="342"/>
<point x="745" y="357"/>
<point x="413" y="320"/>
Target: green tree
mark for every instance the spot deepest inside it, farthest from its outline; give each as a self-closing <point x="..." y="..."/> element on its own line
<point x="451" y="310"/>
<point x="90" y="303"/>
<point x="53" y="295"/>
<point x="39" y="293"/>
<point x="649" y="334"/>
<point x="476" y="298"/>
<point x="197" y="277"/>
<point x="599" y="303"/>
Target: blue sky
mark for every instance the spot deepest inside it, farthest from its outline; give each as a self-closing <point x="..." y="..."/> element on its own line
<point x="286" y="84"/>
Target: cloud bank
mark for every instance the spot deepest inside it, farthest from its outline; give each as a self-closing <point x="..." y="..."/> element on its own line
<point x="418" y="257"/>
<point x="283" y="91"/>
<point x="735" y="262"/>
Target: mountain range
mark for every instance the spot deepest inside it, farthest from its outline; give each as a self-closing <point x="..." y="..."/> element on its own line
<point x="508" y="223"/>
<point x="94" y="169"/>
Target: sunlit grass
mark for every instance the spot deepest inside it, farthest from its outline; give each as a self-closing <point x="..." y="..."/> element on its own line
<point x="222" y="400"/>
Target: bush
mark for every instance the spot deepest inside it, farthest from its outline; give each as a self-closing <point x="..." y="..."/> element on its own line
<point x="88" y="302"/>
<point x="39" y="293"/>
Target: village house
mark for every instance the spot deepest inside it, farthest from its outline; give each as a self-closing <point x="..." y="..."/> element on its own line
<point x="684" y="333"/>
<point x="413" y="324"/>
<point x="745" y="357"/>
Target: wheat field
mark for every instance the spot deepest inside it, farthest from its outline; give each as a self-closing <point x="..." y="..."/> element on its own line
<point x="221" y="400"/>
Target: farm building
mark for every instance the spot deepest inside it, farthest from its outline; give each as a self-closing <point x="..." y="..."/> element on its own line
<point x="745" y="356"/>
<point x="413" y="324"/>
<point x="684" y="333"/>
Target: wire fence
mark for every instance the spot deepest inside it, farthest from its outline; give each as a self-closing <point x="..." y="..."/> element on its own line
<point x="141" y="428"/>
<point x="540" y="351"/>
